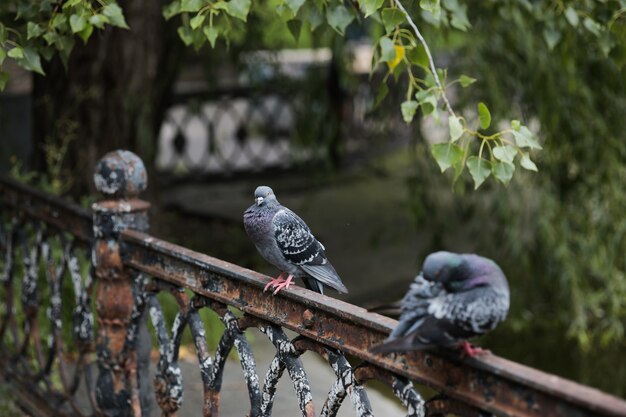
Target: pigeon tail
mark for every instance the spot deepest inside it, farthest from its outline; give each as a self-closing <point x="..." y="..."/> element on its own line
<point x="313" y="285"/>
<point x="326" y="274"/>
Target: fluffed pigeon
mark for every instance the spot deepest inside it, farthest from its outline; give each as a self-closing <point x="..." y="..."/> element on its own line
<point x="285" y="241"/>
<point x="454" y="298"/>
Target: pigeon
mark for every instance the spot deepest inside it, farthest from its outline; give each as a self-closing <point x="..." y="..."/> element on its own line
<point x="456" y="297"/>
<point x="285" y="241"/>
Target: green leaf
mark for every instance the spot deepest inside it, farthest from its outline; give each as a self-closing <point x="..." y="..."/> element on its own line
<point x="211" y="34"/>
<point x="191" y="5"/>
<point x="171" y="10"/>
<point x="466" y="81"/>
<point x="4" y="78"/>
<point x="503" y="171"/>
<point x="186" y="35"/>
<point x="417" y="55"/>
<point x="592" y="26"/>
<point x="25" y="10"/>
<point x="370" y="6"/>
<point x="447" y="154"/>
<point x="458" y="11"/>
<point x="31" y="61"/>
<point x="99" y="20"/>
<point x="515" y="124"/>
<point x="456" y="128"/>
<point x="46" y="5"/>
<point x="86" y="33"/>
<point x="16" y="53"/>
<point x="310" y="13"/>
<point x="65" y="44"/>
<point x="294" y="5"/>
<point x="572" y="16"/>
<point x="392" y="18"/>
<point x="382" y="92"/>
<point x="432" y="6"/>
<point x="197" y="21"/>
<point x="408" y="110"/>
<point x="505" y="153"/>
<point x="479" y="169"/>
<point x="387" y="51"/>
<point x="526" y="163"/>
<point x="3" y="54"/>
<point x="33" y="30"/>
<point x="339" y="18"/>
<point x="484" y="116"/>
<point x="114" y="13"/>
<point x="70" y="3"/>
<point x="239" y="8"/>
<point x="58" y="21"/>
<point x="47" y="52"/>
<point x="525" y="139"/>
<point x="427" y="100"/>
<point x="552" y="37"/>
<point x="295" y="28"/>
<point x="77" y="23"/>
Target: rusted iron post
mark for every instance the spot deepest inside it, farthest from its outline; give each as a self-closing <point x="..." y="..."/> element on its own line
<point x="120" y="176"/>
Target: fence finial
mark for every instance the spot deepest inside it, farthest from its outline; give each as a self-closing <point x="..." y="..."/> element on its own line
<point x="120" y="174"/>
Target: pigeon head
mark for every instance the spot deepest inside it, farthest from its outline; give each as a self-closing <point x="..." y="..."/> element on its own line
<point x="462" y="272"/>
<point x="442" y="266"/>
<point x="264" y="195"/>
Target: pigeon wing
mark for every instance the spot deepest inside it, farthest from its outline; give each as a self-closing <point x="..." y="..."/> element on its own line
<point x="298" y="245"/>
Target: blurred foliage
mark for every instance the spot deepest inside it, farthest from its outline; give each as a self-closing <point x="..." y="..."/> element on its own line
<point x="34" y="29"/>
<point x="561" y="235"/>
<point x="57" y="180"/>
<point x="399" y="50"/>
<point x="574" y="85"/>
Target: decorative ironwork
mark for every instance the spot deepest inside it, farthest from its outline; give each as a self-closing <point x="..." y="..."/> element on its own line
<point x="46" y="284"/>
<point x="228" y="131"/>
<point x="45" y="267"/>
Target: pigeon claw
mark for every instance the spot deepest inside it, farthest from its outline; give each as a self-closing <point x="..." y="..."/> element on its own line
<point x="467" y="349"/>
<point x="275" y="281"/>
<point x="284" y="284"/>
<point x="279" y="283"/>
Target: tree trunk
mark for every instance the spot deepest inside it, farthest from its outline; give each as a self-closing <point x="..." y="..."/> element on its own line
<point x="110" y="96"/>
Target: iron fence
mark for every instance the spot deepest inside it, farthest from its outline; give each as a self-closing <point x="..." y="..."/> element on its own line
<point x="130" y="267"/>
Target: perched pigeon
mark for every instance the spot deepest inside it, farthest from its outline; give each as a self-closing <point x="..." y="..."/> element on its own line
<point x="454" y="298"/>
<point x="285" y="241"/>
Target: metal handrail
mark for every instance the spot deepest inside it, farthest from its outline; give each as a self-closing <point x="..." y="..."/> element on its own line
<point x="52" y="210"/>
<point x="332" y="328"/>
<point x="487" y="382"/>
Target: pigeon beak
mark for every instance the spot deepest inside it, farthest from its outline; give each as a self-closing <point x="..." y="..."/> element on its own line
<point x="259" y="200"/>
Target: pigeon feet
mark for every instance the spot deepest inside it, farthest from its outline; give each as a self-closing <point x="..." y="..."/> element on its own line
<point x="279" y="283"/>
<point x="467" y="349"/>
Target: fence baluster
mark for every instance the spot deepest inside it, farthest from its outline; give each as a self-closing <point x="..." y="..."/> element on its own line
<point x="120" y="176"/>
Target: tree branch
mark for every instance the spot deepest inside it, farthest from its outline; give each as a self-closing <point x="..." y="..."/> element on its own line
<point x="431" y="61"/>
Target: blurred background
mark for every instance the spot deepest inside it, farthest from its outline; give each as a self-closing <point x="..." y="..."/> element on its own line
<point x="297" y="110"/>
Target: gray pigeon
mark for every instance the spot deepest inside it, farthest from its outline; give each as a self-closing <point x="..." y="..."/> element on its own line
<point x="454" y="298"/>
<point x="286" y="242"/>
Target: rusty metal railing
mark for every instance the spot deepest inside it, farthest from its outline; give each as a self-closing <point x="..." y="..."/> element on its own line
<point x="131" y="268"/>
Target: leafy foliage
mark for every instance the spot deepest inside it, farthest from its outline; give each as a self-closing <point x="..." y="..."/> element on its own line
<point x="32" y="30"/>
<point x="562" y="235"/>
<point x="48" y="26"/>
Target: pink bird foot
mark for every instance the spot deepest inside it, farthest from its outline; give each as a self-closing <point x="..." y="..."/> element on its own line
<point x="279" y="283"/>
<point x="284" y="284"/>
<point x="470" y="350"/>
